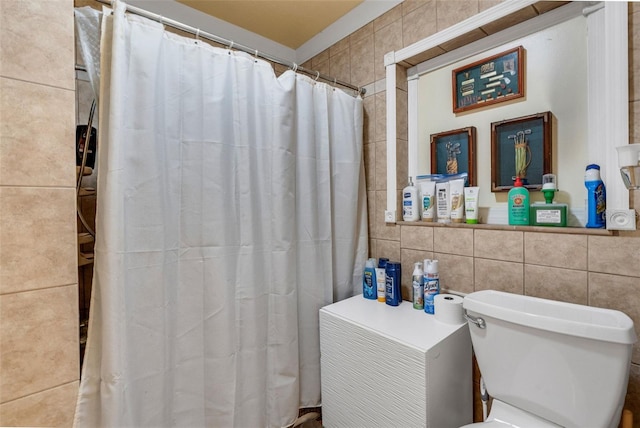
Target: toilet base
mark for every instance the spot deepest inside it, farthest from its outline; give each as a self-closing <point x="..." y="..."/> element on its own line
<point x="503" y="415"/>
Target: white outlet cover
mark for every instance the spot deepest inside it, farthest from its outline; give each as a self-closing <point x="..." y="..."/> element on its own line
<point x="621" y="220"/>
<point x="390" y="216"/>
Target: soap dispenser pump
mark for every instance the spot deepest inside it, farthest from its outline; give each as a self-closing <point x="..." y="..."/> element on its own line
<point x="410" y="205"/>
<point x="549" y="187"/>
<point x="518" y="201"/>
<point x="548" y="213"/>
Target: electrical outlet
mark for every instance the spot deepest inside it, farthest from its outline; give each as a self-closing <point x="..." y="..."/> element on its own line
<point x="390" y="216"/>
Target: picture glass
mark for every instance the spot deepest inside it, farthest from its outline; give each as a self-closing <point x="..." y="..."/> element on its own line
<point x="453" y="152"/>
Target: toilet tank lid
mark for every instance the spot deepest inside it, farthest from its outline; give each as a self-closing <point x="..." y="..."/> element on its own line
<point x="567" y="318"/>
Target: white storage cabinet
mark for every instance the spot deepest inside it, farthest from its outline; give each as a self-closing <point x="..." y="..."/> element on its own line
<point x="386" y="366"/>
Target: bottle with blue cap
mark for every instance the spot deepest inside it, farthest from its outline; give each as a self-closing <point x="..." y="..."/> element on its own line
<point x="596" y="197"/>
<point x="393" y="272"/>
<point x="369" y="284"/>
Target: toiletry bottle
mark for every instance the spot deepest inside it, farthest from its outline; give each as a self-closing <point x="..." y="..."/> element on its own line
<point x="381" y="278"/>
<point x="410" y="205"/>
<point x="518" y="201"/>
<point x="443" y="203"/>
<point x="596" y="197"/>
<point x="418" y="286"/>
<point x="393" y="272"/>
<point x="427" y="194"/>
<point x="431" y="286"/>
<point x="548" y="213"/>
<point x="369" y="285"/>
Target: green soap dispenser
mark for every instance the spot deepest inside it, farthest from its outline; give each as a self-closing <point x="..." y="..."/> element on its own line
<point x="548" y="213"/>
<point x="518" y="204"/>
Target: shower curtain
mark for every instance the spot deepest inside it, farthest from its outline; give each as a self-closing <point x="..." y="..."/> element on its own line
<point x="231" y="207"/>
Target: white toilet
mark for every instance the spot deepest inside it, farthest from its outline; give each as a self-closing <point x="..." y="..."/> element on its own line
<point x="549" y="363"/>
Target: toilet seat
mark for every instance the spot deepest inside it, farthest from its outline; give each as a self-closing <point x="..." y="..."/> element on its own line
<point x="503" y="415"/>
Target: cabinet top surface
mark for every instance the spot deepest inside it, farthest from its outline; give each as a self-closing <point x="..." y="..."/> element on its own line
<point x="411" y="326"/>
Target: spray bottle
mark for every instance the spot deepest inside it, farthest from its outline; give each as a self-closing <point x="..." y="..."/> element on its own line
<point x="431" y="286"/>
<point x="418" y="286"/>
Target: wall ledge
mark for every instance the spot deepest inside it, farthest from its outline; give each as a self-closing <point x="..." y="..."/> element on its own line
<point x="535" y="229"/>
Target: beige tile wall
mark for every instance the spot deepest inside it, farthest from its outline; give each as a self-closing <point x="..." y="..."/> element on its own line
<point x="38" y="285"/>
<point x="600" y="271"/>
<point x="594" y="270"/>
<point x="38" y="277"/>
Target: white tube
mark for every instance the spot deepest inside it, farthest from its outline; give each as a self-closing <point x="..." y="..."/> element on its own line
<point x="427" y="196"/>
<point x="456" y="200"/>
<point x="471" y="204"/>
<point x="380" y="284"/>
<point x="442" y="198"/>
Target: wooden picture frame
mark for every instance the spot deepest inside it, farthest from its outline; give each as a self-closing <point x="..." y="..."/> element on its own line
<point x="521" y="147"/>
<point x="454" y="152"/>
<point x="491" y="80"/>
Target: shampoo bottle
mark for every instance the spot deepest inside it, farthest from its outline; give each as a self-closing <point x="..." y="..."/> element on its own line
<point x="518" y="200"/>
<point x="369" y="285"/>
<point x="418" y="286"/>
<point x="393" y="272"/>
<point x="410" y="205"/>
<point x="596" y="197"/>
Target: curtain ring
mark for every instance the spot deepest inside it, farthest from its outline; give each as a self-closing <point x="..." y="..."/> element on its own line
<point x="197" y="35"/>
<point x="231" y="45"/>
<point x="295" y="67"/>
<point x="317" y="76"/>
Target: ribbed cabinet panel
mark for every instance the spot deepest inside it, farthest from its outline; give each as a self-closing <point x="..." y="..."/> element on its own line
<point x="386" y="366"/>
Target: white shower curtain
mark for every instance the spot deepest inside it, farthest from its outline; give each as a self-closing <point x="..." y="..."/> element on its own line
<point x="231" y="207"/>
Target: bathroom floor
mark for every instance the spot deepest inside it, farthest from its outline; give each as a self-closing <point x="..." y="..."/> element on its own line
<point x="311" y="424"/>
<point x="309" y="418"/>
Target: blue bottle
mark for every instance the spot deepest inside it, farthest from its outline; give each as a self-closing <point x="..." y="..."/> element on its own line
<point x="596" y="197"/>
<point x="369" y="286"/>
<point x="393" y="273"/>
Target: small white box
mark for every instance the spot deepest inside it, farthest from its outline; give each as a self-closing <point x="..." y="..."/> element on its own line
<point x="386" y="366"/>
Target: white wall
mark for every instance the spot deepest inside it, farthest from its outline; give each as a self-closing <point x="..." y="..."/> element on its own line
<point x="556" y="81"/>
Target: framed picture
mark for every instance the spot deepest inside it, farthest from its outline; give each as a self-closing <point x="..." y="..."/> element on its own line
<point x="489" y="81"/>
<point x="454" y="152"/>
<point x="521" y="147"/>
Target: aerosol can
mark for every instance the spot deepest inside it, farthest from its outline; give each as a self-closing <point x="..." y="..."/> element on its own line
<point x="431" y="285"/>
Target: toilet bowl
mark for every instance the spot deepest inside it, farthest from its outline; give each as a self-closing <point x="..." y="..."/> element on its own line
<point x="549" y="363"/>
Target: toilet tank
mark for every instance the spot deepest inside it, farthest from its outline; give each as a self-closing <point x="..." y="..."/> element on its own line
<point x="563" y="362"/>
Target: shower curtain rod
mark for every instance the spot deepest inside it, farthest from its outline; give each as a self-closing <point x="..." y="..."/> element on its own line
<point x="231" y="45"/>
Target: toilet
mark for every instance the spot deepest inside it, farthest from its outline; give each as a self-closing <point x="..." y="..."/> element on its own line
<point x="548" y="363"/>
